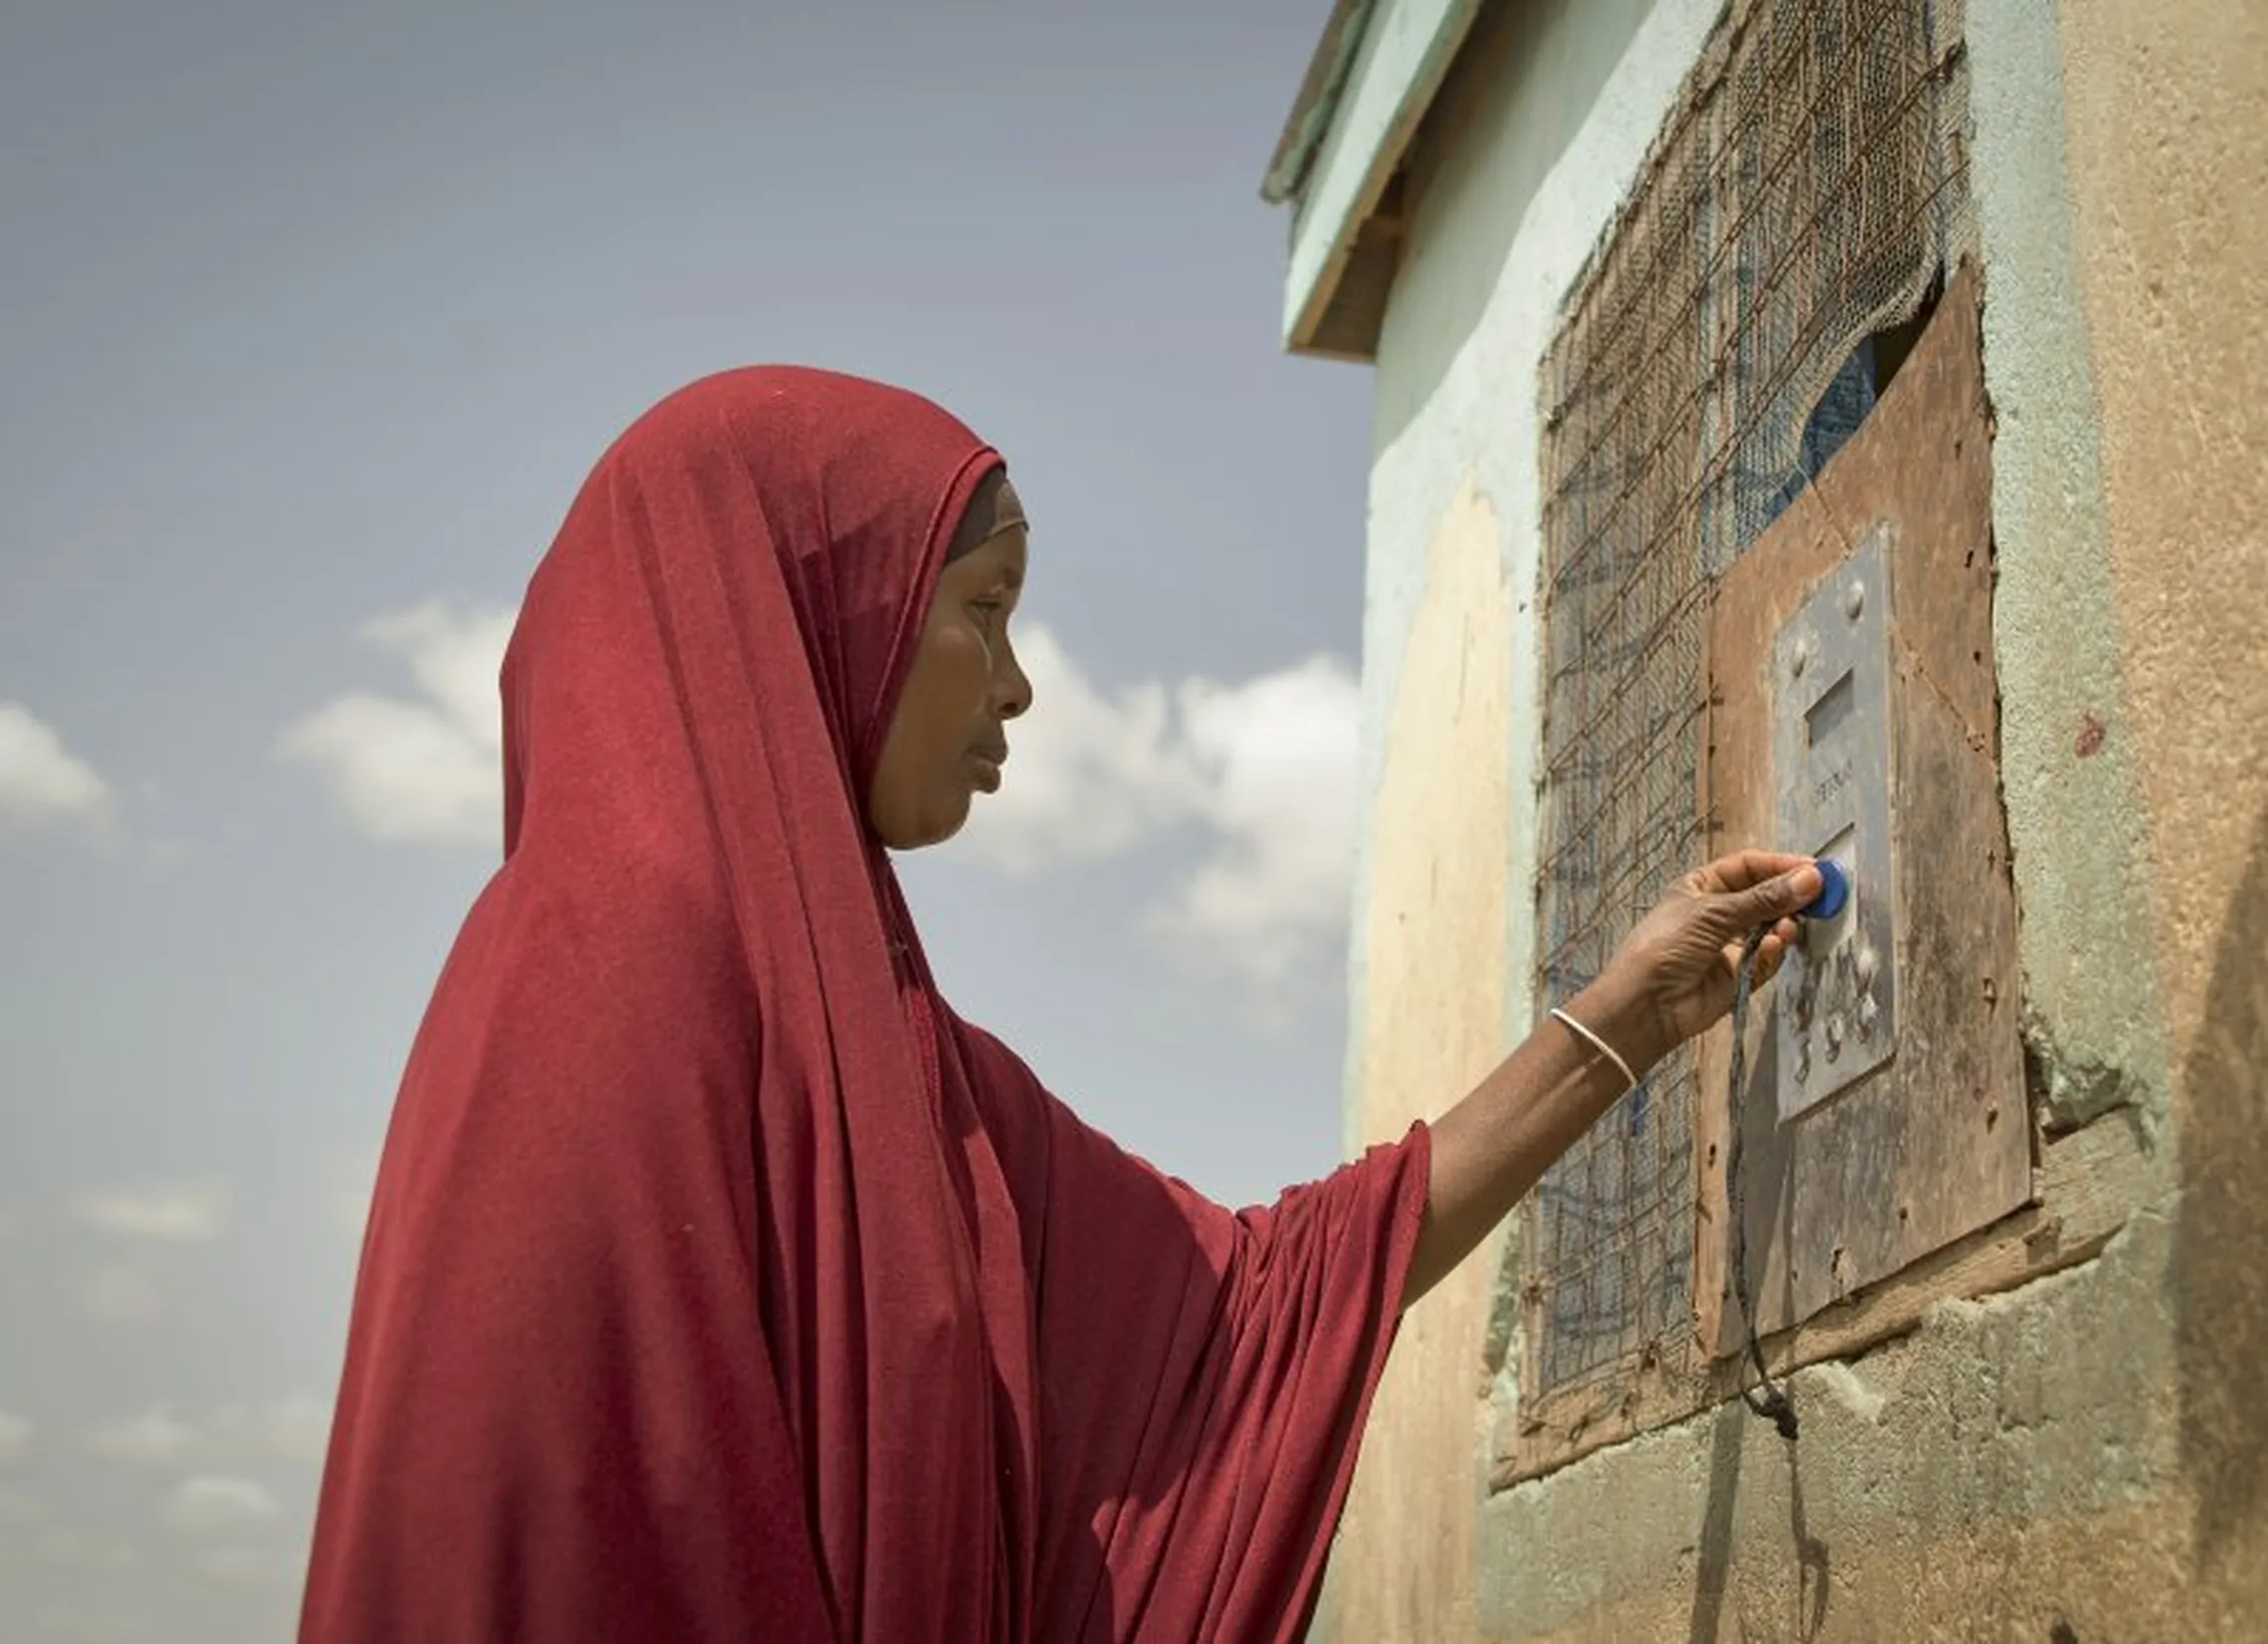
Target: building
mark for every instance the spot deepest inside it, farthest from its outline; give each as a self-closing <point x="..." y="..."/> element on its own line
<point x="1835" y="423"/>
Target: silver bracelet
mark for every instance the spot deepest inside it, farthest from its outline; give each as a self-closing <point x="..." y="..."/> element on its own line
<point x="1630" y="1079"/>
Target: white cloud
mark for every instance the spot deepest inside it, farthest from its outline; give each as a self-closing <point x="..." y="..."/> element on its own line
<point x="183" y="1213"/>
<point x="42" y="783"/>
<point x="1089" y="775"/>
<point x="421" y="768"/>
<point x="154" y="1438"/>
<point x="293" y="1429"/>
<point x="166" y="854"/>
<point x="19" y="1507"/>
<point x="350" y="1199"/>
<point x="218" y="1505"/>
<point x="238" y="1565"/>
<point x="64" y="1548"/>
<point x="118" y="1293"/>
<point x="1262" y="771"/>
<point x="96" y="1624"/>
<point x="1277" y="755"/>
<point x="15" y="1437"/>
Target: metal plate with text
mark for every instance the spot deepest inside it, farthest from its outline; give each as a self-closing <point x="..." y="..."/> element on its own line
<point x="1832" y="762"/>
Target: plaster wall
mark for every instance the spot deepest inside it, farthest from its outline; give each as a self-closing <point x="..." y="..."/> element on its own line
<point x="2082" y="1458"/>
<point x="1540" y="129"/>
<point x="2165" y="116"/>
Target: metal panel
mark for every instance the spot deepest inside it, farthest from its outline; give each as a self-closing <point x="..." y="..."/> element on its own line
<point x="1832" y="758"/>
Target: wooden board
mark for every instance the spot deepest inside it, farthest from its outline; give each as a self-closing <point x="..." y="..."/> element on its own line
<point x="1958" y="1149"/>
<point x="1937" y="1143"/>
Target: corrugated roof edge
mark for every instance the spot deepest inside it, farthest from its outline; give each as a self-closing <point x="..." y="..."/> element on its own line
<point x="1318" y="101"/>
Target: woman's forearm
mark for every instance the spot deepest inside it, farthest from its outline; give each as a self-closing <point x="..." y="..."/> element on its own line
<point x="1494" y="1146"/>
<point x="1672" y="977"/>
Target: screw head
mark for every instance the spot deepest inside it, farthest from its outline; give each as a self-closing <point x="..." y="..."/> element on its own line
<point x="1854" y="600"/>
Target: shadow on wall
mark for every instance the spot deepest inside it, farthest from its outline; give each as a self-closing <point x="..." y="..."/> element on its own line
<point x="1716" y="1564"/>
<point x="2222" y="1228"/>
<point x="1812" y="1559"/>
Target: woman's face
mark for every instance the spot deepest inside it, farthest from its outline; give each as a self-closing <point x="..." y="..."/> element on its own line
<point x="947" y="742"/>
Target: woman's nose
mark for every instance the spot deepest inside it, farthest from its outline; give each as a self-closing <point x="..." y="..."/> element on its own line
<point x="1012" y="689"/>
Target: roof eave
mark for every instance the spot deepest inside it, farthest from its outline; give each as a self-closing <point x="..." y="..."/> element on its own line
<point x="1368" y="86"/>
<point x="1318" y="101"/>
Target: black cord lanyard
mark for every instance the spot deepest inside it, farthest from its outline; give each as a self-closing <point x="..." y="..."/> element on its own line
<point x="1768" y="1398"/>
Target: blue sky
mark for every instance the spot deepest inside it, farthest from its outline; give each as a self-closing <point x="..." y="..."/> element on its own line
<point x="310" y="321"/>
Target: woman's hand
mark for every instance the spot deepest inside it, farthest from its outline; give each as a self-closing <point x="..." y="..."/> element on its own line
<point x="1668" y="980"/>
<point x="1672" y="977"/>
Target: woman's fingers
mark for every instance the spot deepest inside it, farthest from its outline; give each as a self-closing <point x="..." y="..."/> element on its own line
<point x="1771" y="952"/>
<point x="1746" y="869"/>
<point x="1773" y="900"/>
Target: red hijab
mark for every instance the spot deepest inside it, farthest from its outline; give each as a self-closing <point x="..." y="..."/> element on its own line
<point x="721" y="1284"/>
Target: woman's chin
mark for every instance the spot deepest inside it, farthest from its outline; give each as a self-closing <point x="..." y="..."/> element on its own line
<point x="942" y="825"/>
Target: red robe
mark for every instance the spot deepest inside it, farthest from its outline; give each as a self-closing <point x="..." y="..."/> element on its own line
<point x="722" y="1285"/>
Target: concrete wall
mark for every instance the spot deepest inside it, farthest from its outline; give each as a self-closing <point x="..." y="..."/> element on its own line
<point x="2167" y="129"/>
<point x="2082" y="1458"/>
<point x="1541" y="127"/>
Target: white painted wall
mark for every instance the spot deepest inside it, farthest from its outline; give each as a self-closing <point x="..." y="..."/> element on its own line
<point x="1441" y="955"/>
<point x="1497" y="240"/>
<point x="1526" y="180"/>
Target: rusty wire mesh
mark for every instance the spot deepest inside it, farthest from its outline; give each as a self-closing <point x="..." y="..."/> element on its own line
<point x="1807" y="188"/>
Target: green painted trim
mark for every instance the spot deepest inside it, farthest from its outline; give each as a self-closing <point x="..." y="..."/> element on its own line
<point x="1318" y="101"/>
<point x="1401" y="60"/>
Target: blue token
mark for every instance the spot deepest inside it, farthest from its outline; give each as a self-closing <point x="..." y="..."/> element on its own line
<point x="1834" y="891"/>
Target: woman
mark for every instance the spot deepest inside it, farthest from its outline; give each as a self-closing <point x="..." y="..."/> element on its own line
<point x="720" y="1283"/>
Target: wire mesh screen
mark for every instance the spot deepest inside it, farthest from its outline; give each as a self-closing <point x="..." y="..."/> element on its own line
<point x="1803" y="195"/>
